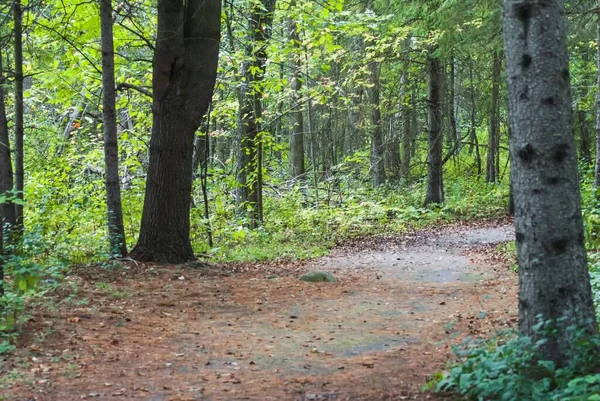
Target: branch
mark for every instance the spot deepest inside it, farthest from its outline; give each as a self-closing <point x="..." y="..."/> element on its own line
<point x="124" y="85"/>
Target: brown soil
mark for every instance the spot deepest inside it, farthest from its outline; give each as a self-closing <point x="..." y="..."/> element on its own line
<point x="235" y="332"/>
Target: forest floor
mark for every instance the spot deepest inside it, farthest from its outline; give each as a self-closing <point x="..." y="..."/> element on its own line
<point x="256" y="332"/>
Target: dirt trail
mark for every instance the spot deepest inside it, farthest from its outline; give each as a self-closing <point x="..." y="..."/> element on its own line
<point x="189" y="334"/>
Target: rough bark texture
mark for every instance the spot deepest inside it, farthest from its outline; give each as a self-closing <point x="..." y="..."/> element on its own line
<point x="494" y="131"/>
<point x="19" y="131"/>
<point x="184" y="73"/>
<point x="297" y="168"/>
<point x="435" y="186"/>
<point x="249" y="168"/>
<point x="597" y="172"/>
<point x="7" y="210"/>
<point x="553" y="275"/>
<point x="377" y="160"/>
<point x="116" y="229"/>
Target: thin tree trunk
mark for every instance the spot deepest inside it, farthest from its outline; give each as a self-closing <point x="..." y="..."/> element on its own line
<point x="454" y="136"/>
<point x="474" y="141"/>
<point x="249" y="170"/>
<point x="377" y="160"/>
<point x="435" y="186"/>
<point x="297" y="132"/>
<point x="7" y="210"/>
<point x="405" y="116"/>
<point x="494" y="131"/>
<point x="553" y="276"/>
<point x="116" y="229"/>
<point x="184" y="74"/>
<point x="584" y="137"/>
<point x="597" y="172"/>
<point x="19" y="131"/>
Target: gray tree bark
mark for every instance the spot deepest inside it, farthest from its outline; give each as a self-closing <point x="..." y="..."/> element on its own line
<point x="435" y="183"/>
<point x="116" y="229"/>
<point x="553" y="275"/>
<point x="377" y="159"/>
<point x="297" y="168"/>
<point x="184" y="74"/>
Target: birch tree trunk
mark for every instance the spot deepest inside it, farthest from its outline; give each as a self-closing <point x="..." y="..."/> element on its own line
<point x="553" y="276"/>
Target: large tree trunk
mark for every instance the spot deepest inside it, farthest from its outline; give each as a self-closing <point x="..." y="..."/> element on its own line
<point x="553" y="276"/>
<point x="116" y="228"/>
<point x="377" y="161"/>
<point x="184" y="74"/>
<point x="249" y="170"/>
<point x="494" y="131"/>
<point x="435" y="184"/>
<point x="297" y="132"/>
<point x="7" y="209"/>
<point x="19" y="130"/>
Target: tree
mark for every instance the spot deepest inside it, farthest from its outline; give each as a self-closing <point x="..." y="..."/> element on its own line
<point x="553" y="276"/>
<point x="297" y="131"/>
<point x="492" y="167"/>
<point x="7" y="209"/>
<point x="249" y="169"/>
<point x="184" y="74"/>
<point x="19" y="126"/>
<point x="373" y="91"/>
<point x="435" y="183"/>
<point x="116" y="229"/>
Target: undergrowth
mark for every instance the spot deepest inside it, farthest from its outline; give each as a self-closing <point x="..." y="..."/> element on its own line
<point x="511" y="367"/>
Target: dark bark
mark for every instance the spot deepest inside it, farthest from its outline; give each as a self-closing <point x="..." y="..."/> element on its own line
<point x="405" y="116"/>
<point x="494" y="131"/>
<point x="249" y="169"/>
<point x="553" y="276"/>
<point x="7" y="210"/>
<point x="377" y="161"/>
<point x="584" y="137"/>
<point x="184" y="74"/>
<point x="435" y="185"/>
<point x="116" y="229"/>
<point x="597" y="172"/>
<point x="474" y="141"/>
<point x="453" y="134"/>
<point x="19" y="130"/>
<point x="297" y="168"/>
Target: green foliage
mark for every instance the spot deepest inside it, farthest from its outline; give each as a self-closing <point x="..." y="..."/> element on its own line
<point x="509" y="367"/>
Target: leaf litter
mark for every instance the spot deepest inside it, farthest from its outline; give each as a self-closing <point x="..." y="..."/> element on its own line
<point x="235" y="332"/>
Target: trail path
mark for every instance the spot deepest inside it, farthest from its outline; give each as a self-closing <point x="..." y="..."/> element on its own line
<point x="166" y="334"/>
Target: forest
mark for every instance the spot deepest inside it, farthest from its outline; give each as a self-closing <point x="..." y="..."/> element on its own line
<point x="300" y="200"/>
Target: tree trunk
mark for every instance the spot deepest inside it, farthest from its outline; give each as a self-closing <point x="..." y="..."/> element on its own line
<point x="19" y="131"/>
<point x="184" y="74"/>
<point x="116" y="230"/>
<point x="584" y="137"/>
<point x="297" y="168"/>
<point x="553" y="276"/>
<point x="597" y="172"/>
<point x="7" y="210"/>
<point x="494" y="131"/>
<point x="377" y="161"/>
<point x="405" y="116"/>
<point x="454" y="136"/>
<point x="435" y="186"/>
<point x="474" y="141"/>
<point x="249" y="170"/>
